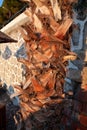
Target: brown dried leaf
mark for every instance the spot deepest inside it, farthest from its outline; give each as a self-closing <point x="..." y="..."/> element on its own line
<point x="34" y="19"/>
<point x="36" y="85"/>
<point x="36" y="102"/>
<point x="30" y="32"/>
<point x="43" y="45"/>
<point x="26" y="108"/>
<point x="24" y="34"/>
<point x="53" y="24"/>
<point x="26" y="62"/>
<point x="28" y="82"/>
<point x="48" y="53"/>
<point x="62" y="30"/>
<point x="38" y="3"/>
<point x="56" y="9"/>
<point x="24" y="114"/>
<point x="62" y="68"/>
<point x="45" y="94"/>
<point x="46" y="77"/>
<point x="32" y="45"/>
<point x="34" y="107"/>
<point x="37" y="23"/>
<point x="51" y="82"/>
<point x="16" y="94"/>
<point x="39" y="57"/>
<point x="24" y="98"/>
<point x="29" y="13"/>
<point x="43" y="9"/>
<point x="69" y="57"/>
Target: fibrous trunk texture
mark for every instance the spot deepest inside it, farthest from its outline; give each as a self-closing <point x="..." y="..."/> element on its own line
<point x="47" y="47"/>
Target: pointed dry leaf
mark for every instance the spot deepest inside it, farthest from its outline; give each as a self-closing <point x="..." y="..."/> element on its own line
<point x="40" y="6"/>
<point x="24" y="114"/>
<point x="44" y="100"/>
<point x="56" y="9"/>
<point x="34" y="107"/>
<point x="62" y="30"/>
<point x="53" y="24"/>
<point x="29" y="13"/>
<point x="26" y="107"/>
<point x="27" y="63"/>
<point x="62" y="68"/>
<point x="36" y="102"/>
<point x="45" y="94"/>
<point x="16" y="94"/>
<point x="36" y="85"/>
<point x="44" y="10"/>
<point x="30" y="32"/>
<point x="24" y="34"/>
<point x="37" y="23"/>
<point x="52" y="80"/>
<point x="28" y="82"/>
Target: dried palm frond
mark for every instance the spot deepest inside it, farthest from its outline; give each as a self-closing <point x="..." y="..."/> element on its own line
<point x="46" y="48"/>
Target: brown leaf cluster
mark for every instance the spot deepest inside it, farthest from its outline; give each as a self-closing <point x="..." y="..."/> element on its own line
<point x="47" y="47"/>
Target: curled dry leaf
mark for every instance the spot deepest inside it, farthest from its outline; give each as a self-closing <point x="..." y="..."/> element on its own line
<point x="69" y="57"/>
